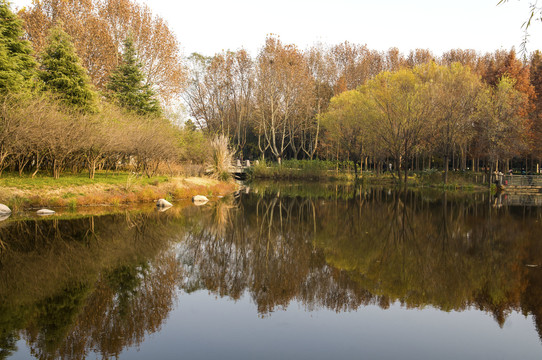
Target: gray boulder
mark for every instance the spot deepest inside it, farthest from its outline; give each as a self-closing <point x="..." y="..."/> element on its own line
<point x="199" y="200"/>
<point x="163" y="203"/>
<point x="45" y="212"/>
<point x="4" y="209"/>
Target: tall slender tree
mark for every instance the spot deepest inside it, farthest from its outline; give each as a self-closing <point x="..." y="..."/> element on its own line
<point x="63" y="74"/>
<point x="347" y="123"/>
<point x="17" y="66"/>
<point x="500" y="126"/>
<point x="402" y="103"/>
<point x="536" y="116"/>
<point x="98" y="29"/>
<point x="454" y="91"/>
<point x="127" y="84"/>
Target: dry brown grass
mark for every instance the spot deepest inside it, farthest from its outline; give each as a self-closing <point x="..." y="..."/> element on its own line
<point x="221" y="157"/>
<point x="176" y="189"/>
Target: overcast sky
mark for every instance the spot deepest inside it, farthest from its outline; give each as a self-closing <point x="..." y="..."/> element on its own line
<point x="209" y="26"/>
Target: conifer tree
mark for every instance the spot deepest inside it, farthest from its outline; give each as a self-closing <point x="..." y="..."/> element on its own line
<point x="127" y="84"/>
<point x="17" y="66"/>
<point x="63" y="74"/>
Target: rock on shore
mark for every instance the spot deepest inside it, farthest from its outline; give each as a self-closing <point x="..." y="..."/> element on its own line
<point x="4" y="209"/>
<point x="163" y="203"/>
<point x="199" y="200"/>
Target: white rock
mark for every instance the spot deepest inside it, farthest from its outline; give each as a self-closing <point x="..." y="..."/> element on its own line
<point x="4" y="209"/>
<point x="163" y="203"/>
<point x="4" y="216"/>
<point x="199" y="200"/>
<point x="45" y="212"/>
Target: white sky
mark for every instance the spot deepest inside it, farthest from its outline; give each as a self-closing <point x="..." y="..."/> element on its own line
<point x="209" y="26"/>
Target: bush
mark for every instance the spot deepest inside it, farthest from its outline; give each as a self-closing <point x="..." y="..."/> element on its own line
<point x="40" y="134"/>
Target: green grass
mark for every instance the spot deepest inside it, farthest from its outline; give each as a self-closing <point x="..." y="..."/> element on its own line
<point x="72" y="205"/>
<point x="319" y="170"/>
<point x="44" y="180"/>
<point x="300" y="170"/>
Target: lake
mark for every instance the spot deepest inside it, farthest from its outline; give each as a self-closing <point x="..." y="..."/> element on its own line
<point x="278" y="271"/>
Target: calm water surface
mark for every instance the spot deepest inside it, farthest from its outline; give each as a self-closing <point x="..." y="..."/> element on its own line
<point x="279" y="272"/>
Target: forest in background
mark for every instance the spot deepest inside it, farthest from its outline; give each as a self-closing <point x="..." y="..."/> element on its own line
<point x="345" y="102"/>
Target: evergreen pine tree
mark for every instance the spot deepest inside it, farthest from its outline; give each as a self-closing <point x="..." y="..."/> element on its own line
<point x="127" y="85"/>
<point x="17" y="66"/>
<point x="63" y="74"/>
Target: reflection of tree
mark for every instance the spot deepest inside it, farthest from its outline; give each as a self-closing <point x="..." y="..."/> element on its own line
<point x="421" y="259"/>
<point x="55" y="319"/>
<point x="377" y="246"/>
<point x="8" y="344"/>
<point x="113" y="320"/>
<point x="109" y="281"/>
<point x="264" y="251"/>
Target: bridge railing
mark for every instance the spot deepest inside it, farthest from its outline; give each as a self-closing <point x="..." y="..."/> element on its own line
<point x="521" y="200"/>
<point x="522" y="180"/>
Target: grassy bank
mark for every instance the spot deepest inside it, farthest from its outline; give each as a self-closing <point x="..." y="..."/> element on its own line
<point x="316" y="170"/>
<point x="73" y="191"/>
<point x="301" y="170"/>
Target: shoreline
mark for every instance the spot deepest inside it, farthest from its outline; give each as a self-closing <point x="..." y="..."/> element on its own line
<point x="103" y="194"/>
<point x="113" y="190"/>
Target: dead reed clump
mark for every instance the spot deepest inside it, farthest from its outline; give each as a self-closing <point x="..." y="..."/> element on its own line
<point x="221" y="158"/>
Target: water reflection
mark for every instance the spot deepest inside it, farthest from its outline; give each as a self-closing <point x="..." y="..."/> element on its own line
<point x="349" y="247"/>
<point x="69" y="287"/>
<point x="101" y="284"/>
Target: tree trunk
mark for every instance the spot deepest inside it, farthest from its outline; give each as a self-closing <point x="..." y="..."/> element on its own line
<point x="91" y="168"/>
<point x="490" y="174"/>
<point x="56" y="169"/>
<point x="445" y="169"/>
<point x="355" y="170"/>
<point x="37" y="165"/>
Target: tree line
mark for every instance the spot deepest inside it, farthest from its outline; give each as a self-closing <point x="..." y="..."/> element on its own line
<point x="105" y="66"/>
<point x="56" y="114"/>
<point x="348" y="102"/>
